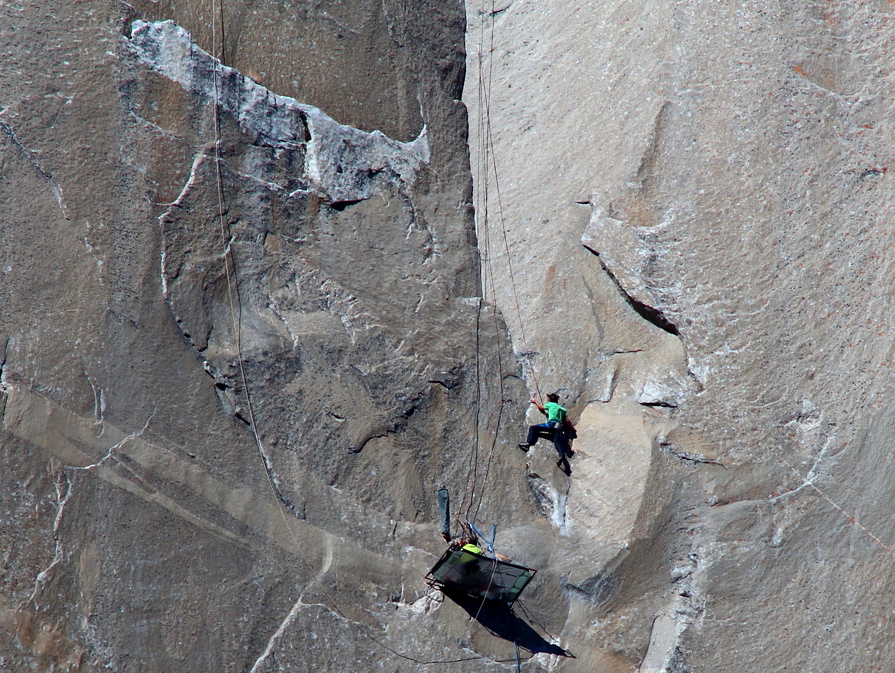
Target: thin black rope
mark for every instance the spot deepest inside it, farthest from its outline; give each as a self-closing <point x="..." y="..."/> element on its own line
<point x="481" y="210"/>
<point x="535" y="621"/>
<point x="235" y="305"/>
<point x="478" y="404"/>
<point x="233" y="293"/>
<point x="486" y="150"/>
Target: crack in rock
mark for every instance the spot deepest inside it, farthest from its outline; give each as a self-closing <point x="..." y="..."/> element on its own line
<point x="4" y="347"/>
<point x="621" y="252"/>
<point x="55" y="187"/>
<point x="625" y="257"/>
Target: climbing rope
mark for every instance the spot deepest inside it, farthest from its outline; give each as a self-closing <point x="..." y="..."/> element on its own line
<point x="468" y="494"/>
<point x="485" y="167"/>
<point x="489" y="167"/>
<point x="233" y="296"/>
<point x="235" y="306"/>
<point x="470" y="499"/>
<point x="481" y="169"/>
<point x="852" y="519"/>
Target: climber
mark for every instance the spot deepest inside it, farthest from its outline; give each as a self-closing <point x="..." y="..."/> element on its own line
<point x="466" y="542"/>
<point x="468" y="562"/>
<point x="553" y="428"/>
<point x="465" y="567"/>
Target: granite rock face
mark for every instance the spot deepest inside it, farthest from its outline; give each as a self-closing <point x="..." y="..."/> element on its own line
<point x="243" y="341"/>
<point x="697" y="204"/>
<point x="249" y="325"/>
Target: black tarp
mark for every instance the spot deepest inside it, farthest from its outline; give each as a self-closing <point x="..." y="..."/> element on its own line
<point x="480" y="576"/>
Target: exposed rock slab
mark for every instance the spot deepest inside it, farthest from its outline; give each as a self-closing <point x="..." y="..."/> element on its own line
<point x="728" y="172"/>
<point x="193" y="257"/>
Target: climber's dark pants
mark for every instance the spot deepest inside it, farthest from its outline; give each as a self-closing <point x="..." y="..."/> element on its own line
<point x="549" y="431"/>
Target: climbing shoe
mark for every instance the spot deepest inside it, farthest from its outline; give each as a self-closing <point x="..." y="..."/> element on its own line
<point x="525" y="447"/>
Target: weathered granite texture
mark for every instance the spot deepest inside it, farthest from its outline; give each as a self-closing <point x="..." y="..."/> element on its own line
<point x="698" y="204"/>
<point x="219" y="219"/>
<point x="193" y="252"/>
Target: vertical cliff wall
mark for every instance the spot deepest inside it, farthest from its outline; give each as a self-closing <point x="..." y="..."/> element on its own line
<point x="697" y="202"/>
<point x="249" y="325"/>
<point x="242" y="339"/>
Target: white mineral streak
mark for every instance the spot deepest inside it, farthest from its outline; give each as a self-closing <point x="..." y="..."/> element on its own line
<point x="666" y="392"/>
<point x="55" y="187"/>
<point x="62" y="496"/>
<point x="277" y="634"/>
<point x="343" y="163"/>
<point x="686" y="608"/>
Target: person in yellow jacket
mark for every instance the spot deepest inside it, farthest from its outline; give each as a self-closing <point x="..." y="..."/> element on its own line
<point x="467" y="563"/>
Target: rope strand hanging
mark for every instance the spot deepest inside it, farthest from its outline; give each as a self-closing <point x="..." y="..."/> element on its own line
<point x="485" y="143"/>
<point x="235" y="308"/>
<point x="482" y="212"/>
<point x="485" y="168"/>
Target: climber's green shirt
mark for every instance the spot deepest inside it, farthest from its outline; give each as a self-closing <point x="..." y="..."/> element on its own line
<point x="555" y="412"/>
